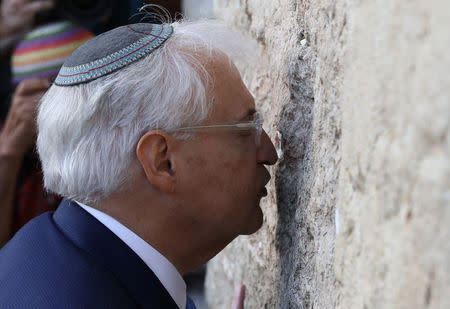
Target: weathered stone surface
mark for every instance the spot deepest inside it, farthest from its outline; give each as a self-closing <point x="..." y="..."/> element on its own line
<point x="358" y="211"/>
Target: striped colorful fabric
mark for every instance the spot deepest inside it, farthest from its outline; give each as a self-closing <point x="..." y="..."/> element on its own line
<point x="43" y="51"/>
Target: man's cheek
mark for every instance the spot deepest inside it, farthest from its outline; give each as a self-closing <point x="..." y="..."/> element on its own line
<point x="196" y="161"/>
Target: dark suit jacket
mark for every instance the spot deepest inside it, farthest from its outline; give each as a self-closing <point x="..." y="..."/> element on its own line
<point x="68" y="259"/>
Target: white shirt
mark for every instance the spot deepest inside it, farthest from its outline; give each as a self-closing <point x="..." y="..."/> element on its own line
<point x="169" y="276"/>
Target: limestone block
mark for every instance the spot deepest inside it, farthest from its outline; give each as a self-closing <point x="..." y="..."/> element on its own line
<point x="358" y="213"/>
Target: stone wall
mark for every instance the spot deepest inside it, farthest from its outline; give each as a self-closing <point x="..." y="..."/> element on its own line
<point x="357" y="95"/>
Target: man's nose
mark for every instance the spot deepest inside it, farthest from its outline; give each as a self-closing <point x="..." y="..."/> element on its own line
<point x="266" y="152"/>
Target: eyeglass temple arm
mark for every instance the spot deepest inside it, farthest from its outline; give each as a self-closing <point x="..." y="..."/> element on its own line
<point x="237" y="125"/>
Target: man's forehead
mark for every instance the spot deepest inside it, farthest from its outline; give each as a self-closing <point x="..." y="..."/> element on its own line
<point x="239" y="110"/>
<point x="231" y="99"/>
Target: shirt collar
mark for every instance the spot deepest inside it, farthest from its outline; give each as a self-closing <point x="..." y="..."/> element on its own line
<point x="170" y="278"/>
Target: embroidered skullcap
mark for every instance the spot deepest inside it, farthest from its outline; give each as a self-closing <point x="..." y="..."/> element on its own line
<point x="43" y="51"/>
<point x="111" y="51"/>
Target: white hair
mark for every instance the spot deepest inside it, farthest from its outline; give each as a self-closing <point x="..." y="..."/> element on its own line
<point x="88" y="133"/>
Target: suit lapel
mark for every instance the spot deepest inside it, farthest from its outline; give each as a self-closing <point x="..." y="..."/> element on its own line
<point x="96" y="239"/>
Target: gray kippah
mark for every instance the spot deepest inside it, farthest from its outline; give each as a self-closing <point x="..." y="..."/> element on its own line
<point x="111" y="51"/>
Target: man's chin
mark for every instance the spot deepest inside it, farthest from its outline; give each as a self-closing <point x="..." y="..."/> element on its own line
<point x="254" y="223"/>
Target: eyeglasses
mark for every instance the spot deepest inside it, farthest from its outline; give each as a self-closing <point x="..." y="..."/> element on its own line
<point x="256" y="124"/>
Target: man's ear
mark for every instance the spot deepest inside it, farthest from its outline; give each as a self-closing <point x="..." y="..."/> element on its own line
<point x="154" y="154"/>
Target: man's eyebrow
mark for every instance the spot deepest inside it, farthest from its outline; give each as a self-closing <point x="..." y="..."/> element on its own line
<point x="249" y="112"/>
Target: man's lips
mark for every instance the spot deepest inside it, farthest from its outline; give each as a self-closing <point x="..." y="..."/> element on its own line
<point x="264" y="190"/>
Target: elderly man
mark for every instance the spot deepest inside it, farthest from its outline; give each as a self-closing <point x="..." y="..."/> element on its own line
<point x="152" y="137"/>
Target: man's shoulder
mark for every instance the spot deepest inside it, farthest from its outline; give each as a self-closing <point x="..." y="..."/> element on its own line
<point x="41" y="268"/>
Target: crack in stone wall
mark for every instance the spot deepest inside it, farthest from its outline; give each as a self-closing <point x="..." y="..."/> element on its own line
<point x="294" y="179"/>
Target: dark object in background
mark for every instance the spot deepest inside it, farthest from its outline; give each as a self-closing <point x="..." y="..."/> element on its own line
<point x="195" y="284"/>
<point x="173" y="6"/>
<point x="97" y="15"/>
<point x="82" y="10"/>
<point x="104" y="15"/>
<point x="5" y="85"/>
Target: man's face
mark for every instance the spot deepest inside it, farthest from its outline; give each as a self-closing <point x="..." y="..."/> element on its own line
<point x="222" y="177"/>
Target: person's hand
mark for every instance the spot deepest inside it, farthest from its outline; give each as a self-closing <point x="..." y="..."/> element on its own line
<point x="19" y="131"/>
<point x="17" y="15"/>
<point x="238" y="297"/>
